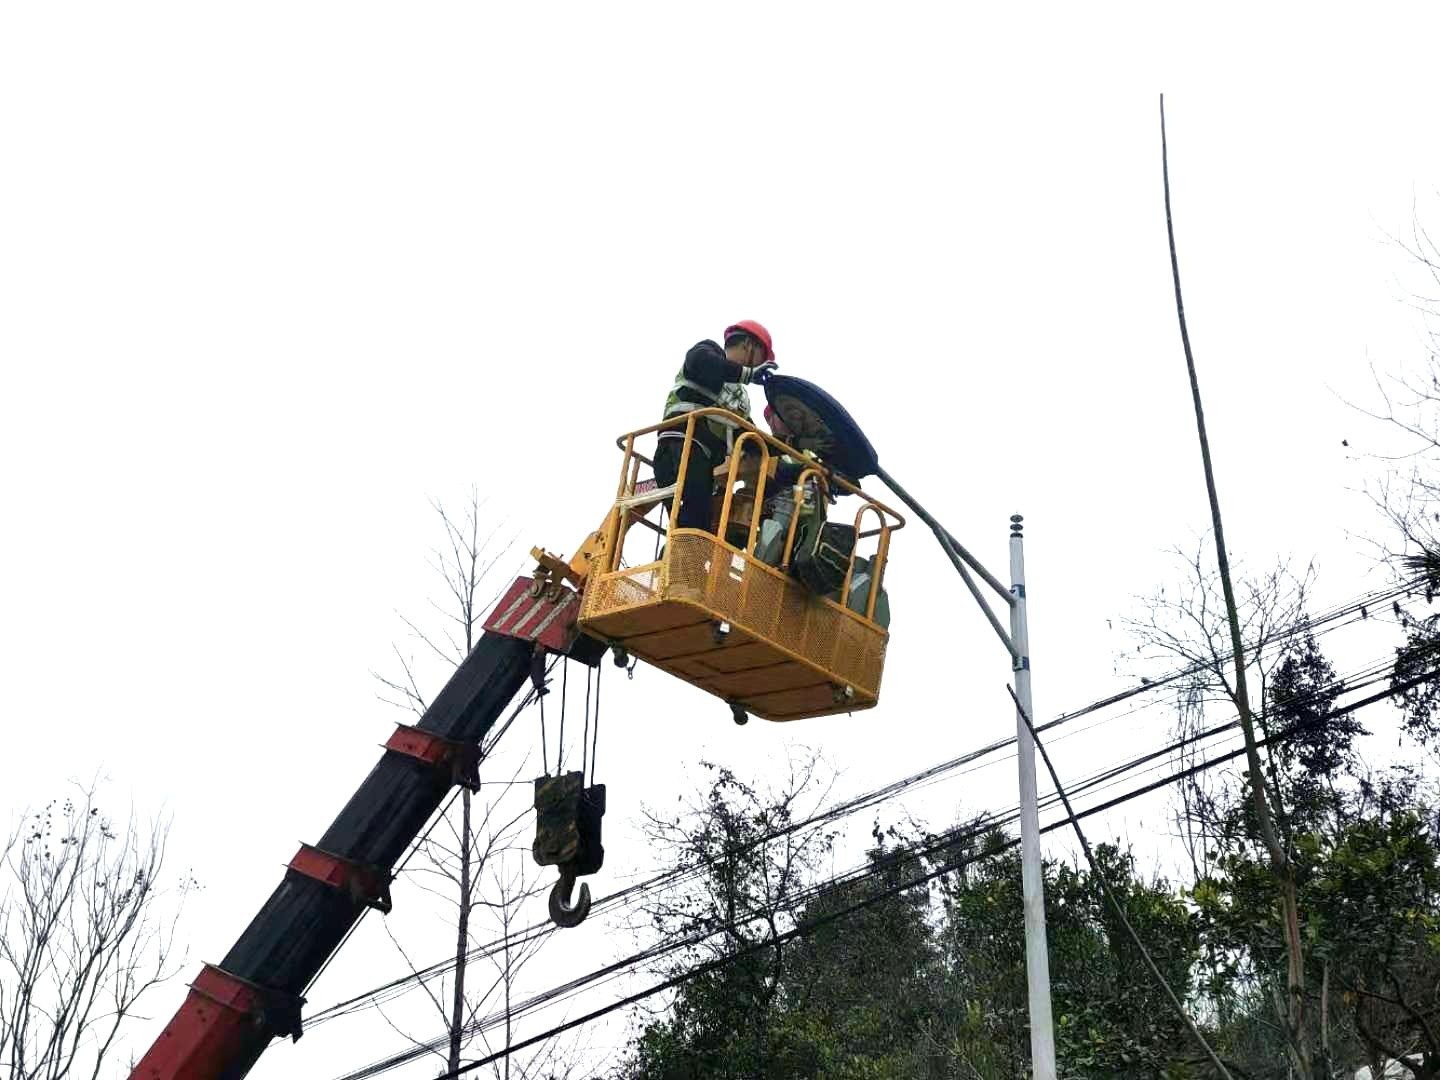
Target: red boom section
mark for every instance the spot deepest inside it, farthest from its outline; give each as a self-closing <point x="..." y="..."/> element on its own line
<point x="220" y="1031"/>
<point x="236" y="1007"/>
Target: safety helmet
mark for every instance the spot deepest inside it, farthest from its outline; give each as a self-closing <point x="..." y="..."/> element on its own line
<point x="755" y="330"/>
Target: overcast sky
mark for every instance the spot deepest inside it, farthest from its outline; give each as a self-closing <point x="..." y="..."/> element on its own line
<point x="274" y="275"/>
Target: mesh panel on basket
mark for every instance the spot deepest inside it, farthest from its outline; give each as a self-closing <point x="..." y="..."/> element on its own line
<point x="615" y="591"/>
<point x="687" y="566"/>
<point x="770" y="606"/>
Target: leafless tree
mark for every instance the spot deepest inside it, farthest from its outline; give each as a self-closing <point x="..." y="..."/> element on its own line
<point x="474" y="860"/>
<point x="1186" y="625"/>
<point x="87" y="927"/>
<point x="478" y="866"/>
<point x="513" y="882"/>
<point x="1407" y="492"/>
<point x="1408" y="404"/>
<point x="1281" y="867"/>
<point x="464" y="560"/>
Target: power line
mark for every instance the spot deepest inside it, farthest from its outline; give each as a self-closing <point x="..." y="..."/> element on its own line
<point x="800" y="930"/>
<point x="1110" y="896"/>
<point x="1331" y="619"/>
<point x="913" y="854"/>
<point x="419" y="841"/>
<point x="948" y="839"/>
<point x="861" y="802"/>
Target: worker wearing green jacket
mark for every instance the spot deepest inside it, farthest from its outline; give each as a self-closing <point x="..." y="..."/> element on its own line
<point x="711" y="377"/>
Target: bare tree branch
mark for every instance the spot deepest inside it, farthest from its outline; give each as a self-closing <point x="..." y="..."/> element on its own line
<point x="472" y="860"/>
<point x="87" y="928"/>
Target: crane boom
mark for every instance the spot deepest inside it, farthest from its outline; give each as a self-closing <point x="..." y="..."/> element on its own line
<point x="235" y="1008"/>
<point x="708" y="610"/>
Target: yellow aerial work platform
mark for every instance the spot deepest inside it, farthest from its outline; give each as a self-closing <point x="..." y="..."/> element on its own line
<point x="707" y="610"/>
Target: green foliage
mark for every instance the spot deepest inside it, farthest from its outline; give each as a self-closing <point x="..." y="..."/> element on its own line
<point x="1318" y="741"/>
<point x="846" y="1001"/>
<point x="1110" y="1017"/>
<point x="1416" y="660"/>
<point x="931" y="981"/>
<point x="1374" y="898"/>
<point x="1369" y="894"/>
<point x="916" y="982"/>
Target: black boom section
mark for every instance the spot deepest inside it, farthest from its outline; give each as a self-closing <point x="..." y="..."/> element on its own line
<point x="398" y="797"/>
<point x="304" y="919"/>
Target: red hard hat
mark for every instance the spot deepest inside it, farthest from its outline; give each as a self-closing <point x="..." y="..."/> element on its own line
<point x="754" y="329"/>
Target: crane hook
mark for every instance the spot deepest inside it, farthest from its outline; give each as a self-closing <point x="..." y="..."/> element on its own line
<point x="562" y="913"/>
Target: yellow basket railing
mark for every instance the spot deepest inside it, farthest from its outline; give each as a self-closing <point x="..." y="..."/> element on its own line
<point x="633" y="505"/>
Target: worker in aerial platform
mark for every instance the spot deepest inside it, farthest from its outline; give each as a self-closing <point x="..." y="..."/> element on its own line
<point x="823" y="551"/>
<point x="781" y="503"/>
<point x="711" y="377"/>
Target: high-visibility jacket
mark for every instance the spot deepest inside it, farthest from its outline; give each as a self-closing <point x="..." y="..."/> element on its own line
<point x="703" y="387"/>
